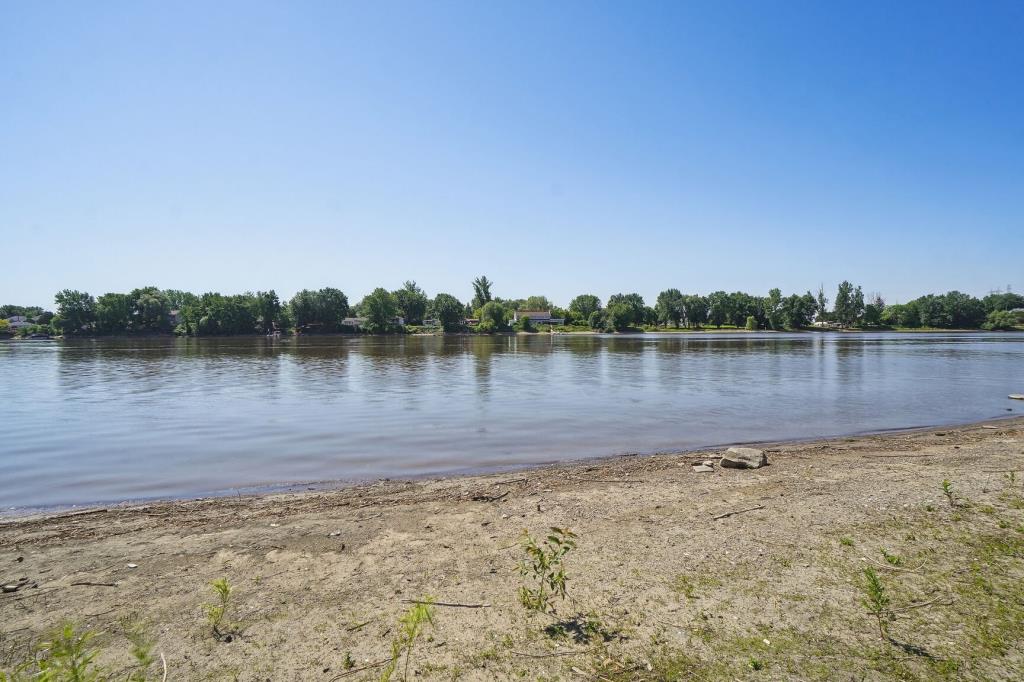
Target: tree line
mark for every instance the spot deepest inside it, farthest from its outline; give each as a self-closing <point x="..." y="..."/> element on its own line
<point x="150" y="310"/>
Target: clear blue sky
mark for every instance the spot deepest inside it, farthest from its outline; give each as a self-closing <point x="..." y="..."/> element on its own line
<point x="558" y="148"/>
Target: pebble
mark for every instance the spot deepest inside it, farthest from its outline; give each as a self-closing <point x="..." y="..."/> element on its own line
<point x="133" y="565"/>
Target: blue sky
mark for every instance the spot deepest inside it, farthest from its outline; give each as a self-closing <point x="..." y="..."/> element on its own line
<point x="558" y="148"/>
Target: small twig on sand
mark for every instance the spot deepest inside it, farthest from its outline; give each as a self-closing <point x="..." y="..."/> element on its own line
<point x="487" y="498"/>
<point x="937" y="601"/>
<point x="607" y="480"/>
<point x="739" y="511"/>
<point x="358" y="626"/>
<point x="353" y="671"/>
<point x="556" y="653"/>
<point x="164" y="661"/>
<point x="92" y="584"/>
<point x="447" y="603"/>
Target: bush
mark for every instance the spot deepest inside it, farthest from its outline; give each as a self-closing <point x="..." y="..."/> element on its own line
<point x="525" y="324"/>
<point x="751" y="323"/>
<point x="1000" y="320"/>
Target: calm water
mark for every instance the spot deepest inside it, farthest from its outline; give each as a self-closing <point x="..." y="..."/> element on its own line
<point x="88" y="421"/>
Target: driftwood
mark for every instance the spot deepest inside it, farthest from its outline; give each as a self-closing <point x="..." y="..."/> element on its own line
<point x="734" y="513"/>
<point x="447" y="603"/>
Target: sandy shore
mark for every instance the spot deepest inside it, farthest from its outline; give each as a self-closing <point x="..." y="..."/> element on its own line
<point x="659" y="587"/>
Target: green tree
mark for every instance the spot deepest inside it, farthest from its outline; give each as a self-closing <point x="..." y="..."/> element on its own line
<point x="821" y="304"/>
<point x="669" y="307"/>
<point x="583" y="306"/>
<point x="114" y="313"/>
<point x="494" y="315"/>
<point x="1002" y="301"/>
<point x="448" y="311"/>
<point x="1000" y="320"/>
<point x="751" y="323"/>
<point x="5" y="326"/>
<point x="597" y="320"/>
<point x="695" y="310"/>
<point x="379" y="308"/>
<point x="481" y="291"/>
<point x="152" y="310"/>
<point x="321" y="310"/>
<point x="634" y="305"/>
<point x="525" y="324"/>
<point x="719" y="309"/>
<point x="773" y="309"/>
<point x="411" y="302"/>
<point x="76" y="312"/>
<point x="268" y="311"/>
<point x="620" y="316"/>
<point x="537" y="303"/>
<point x="849" y="306"/>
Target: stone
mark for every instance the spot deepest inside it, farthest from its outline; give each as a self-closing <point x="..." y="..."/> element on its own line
<point x="11" y="588"/>
<point x="744" y="458"/>
<point x="1016" y="396"/>
<point x="708" y="462"/>
<point x="702" y="469"/>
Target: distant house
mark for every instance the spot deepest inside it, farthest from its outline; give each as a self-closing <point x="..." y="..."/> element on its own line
<point x="430" y="322"/>
<point x="826" y="324"/>
<point x="471" y="321"/>
<point x="174" y="317"/>
<point x="355" y="322"/>
<point x="538" y="316"/>
<point x="19" y="321"/>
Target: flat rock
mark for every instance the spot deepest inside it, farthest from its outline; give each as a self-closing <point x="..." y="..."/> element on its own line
<point x="702" y="469"/>
<point x="708" y="462"/>
<point x="1016" y="396"/>
<point x="744" y="458"/>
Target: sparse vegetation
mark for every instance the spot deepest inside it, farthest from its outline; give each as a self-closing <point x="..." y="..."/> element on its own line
<point x="877" y="601"/>
<point x="544" y="567"/>
<point x="410" y="626"/>
<point x="217" y="612"/>
<point x="947" y="490"/>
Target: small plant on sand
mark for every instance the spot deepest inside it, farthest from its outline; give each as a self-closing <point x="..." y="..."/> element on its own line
<point x="137" y="634"/>
<point x="892" y="559"/>
<point x="544" y="567"/>
<point x="411" y="625"/>
<point x="947" y="490"/>
<point x="67" y="657"/>
<point x="216" y="612"/>
<point x="877" y="601"/>
<point x="846" y="542"/>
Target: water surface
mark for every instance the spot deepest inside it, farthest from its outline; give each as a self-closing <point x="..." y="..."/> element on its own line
<point x="108" y="420"/>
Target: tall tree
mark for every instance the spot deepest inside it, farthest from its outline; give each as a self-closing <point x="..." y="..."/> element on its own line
<point x="268" y="311"/>
<point x="114" y="313"/>
<point x="412" y="303"/>
<point x="843" y="309"/>
<point x="448" y="311"/>
<point x="669" y="307"/>
<point x="152" y="310"/>
<point x="583" y="306"/>
<point x="634" y="303"/>
<point x="76" y="312"/>
<point x="481" y="291"/>
<point x="537" y="303"/>
<point x="822" y="303"/>
<point x="379" y="308"/>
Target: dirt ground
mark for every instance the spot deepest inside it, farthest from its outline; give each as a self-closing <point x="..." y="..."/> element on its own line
<point x="662" y="584"/>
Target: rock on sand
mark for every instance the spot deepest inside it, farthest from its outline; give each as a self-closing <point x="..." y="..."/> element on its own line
<point x="744" y="458"/>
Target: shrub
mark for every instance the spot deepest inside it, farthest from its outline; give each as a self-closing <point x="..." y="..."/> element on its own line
<point x="544" y="565"/>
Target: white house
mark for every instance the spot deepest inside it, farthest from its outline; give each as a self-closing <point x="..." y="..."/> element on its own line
<point x="538" y="316"/>
<point x="18" y="321"/>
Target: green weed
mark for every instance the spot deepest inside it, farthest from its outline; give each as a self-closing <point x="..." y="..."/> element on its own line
<point x="218" y="611"/>
<point x="544" y="565"/>
<point x="411" y="626"/>
<point x="877" y="601"/>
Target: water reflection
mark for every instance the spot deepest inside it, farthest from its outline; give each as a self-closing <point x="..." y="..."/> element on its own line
<point x="112" y="419"/>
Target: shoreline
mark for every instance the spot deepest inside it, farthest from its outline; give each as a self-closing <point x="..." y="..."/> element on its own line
<point x="321" y="486"/>
<point x="714" y="575"/>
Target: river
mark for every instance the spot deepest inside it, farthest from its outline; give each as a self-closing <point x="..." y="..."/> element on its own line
<point x="88" y="421"/>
